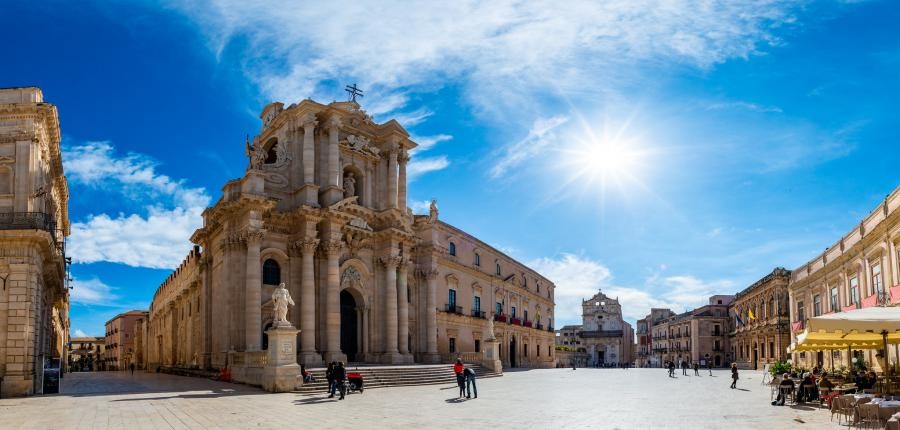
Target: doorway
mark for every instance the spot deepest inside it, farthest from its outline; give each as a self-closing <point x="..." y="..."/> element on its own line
<point x="755" y="356"/>
<point x="349" y="329"/>
<point x="512" y="352"/>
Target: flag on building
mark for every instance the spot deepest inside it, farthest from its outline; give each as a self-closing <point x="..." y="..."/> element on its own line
<point x="750" y="315"/>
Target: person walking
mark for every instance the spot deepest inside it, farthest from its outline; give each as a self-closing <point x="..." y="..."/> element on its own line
<point x="132" y="368"/>
<point x="696" y="369"/>
<point x="671" y="369"/>
<point x="734" y="375"/>
<point x="329" y="376"/>
<point x="470" y="380"/>
<point x="340" y="374"/>
<point x="458" y="369"/>
<point x="684" y="367"/>
<point x="709" y="366"/>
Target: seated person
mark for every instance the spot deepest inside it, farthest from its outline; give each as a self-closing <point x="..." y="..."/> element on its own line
<point x="807" y="390"/>
<point x="824" y="382"/>
<point x="786" y="384"/>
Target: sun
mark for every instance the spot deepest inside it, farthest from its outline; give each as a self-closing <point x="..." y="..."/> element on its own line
<point x="605" y="162"/>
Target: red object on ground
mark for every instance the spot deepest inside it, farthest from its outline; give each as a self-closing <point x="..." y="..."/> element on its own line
<point x="354" y="375"/>
<point x="225" y="375"/>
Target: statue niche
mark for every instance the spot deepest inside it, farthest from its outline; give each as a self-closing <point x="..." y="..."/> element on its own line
<point x="353" y="184"/>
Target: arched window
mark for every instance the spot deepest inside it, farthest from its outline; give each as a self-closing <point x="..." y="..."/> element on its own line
<point x="272" y="153"/>
<point x="477" y="259"/>
<point x="5" y="180"/>
<point x="452" y="248"/>
<point x="498" y="269"/>
<point x="271" y="272"/>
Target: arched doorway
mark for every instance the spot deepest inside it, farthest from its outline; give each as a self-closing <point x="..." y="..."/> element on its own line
<point x="512" y="351"/>
<point x="349" y="328"/>
<point x="755" y="356"/>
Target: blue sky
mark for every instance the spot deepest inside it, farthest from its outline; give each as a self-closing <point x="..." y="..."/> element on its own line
<point x="661" y="151"/>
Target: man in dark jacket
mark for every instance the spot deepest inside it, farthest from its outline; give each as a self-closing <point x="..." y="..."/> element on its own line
<point x="470" y="380"/>
<point x="340" y="374"/>
<point x="329" y="376"/>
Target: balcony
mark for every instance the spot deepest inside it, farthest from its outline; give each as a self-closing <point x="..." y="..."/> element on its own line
<point x="601" y="333"/>
<point x="515" y="321"/>
<point x="478" y="314"/>
<point x="453" y="309"/>
<point x="500" y="317"/>
<point x="527" y="323"/>
<point x="539" y="326"/>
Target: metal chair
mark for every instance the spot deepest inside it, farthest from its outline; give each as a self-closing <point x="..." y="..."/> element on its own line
<point x="787" y="392"/>
<point x="867" y="414"/>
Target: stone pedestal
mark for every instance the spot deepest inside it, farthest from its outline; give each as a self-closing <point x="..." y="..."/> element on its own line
<point x="310" y="359"/>
<point x="491" y="356"/>
<point x="282" y="373"/>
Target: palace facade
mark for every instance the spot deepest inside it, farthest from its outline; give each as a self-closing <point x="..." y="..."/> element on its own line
<point x="860" y="270"/>
<point x="698" y="335"/>
<point x="322" y="208"/>
<point x="761" y="331"/>
<point x="34" y="222"/>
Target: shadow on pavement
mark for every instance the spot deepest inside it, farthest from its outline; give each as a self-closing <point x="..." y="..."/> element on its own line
<point x="455" y="400"/>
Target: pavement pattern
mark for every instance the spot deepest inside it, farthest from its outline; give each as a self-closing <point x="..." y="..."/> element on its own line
<point x="532" y="399"/>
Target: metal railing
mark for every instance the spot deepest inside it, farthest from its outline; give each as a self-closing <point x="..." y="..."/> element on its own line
<point x="28" y="221"/>
<point x="478" y="314"/>
<point x="453" y="309"/>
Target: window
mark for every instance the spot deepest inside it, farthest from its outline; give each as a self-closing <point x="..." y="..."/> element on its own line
<point x="526" y="350"/>
<point x="498" y="308"/>
<point x="854" y="291"/>
<point x="716" y="331"/>
<point x="525" y="315"/>
<point x="477" y="345"/>
<point x="801" y="313"/>
<point x="772" y="349"/>
<point x="513" y="311"/>
<point x="271" y="272"/>
<point x="525" y="280"/>
<point x="452" y="344"/>
<point x="476" y="305"/>
<point x="477" y="259"/>
<point x="817" y="305"/>
<point x="877" y="284"/>
<point x="834" y="299"/>
<point x="498" y="269"/>
<point x="272" y="154"/>
<point x="5" y="180"/>
<point x="451" y="298"/>
<point x="452" y="248"/>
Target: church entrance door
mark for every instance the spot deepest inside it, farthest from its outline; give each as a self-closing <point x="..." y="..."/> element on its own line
<point x="512" y="352"/>
<point x="349" y="329"/>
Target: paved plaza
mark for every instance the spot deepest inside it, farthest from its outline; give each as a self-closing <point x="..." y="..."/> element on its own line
<point x="550" y="398"/>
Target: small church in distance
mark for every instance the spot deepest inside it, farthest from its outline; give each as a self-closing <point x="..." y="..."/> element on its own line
<point x="603" y="339"/>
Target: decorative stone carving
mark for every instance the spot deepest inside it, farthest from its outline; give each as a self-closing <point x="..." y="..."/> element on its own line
<point x="350" y="277"/>
<point x="281" y="299"/>
<point x="277" y="180"/>
<point x="255" y="154"/>
<point x="432" y="212"/>
<point x="356" y="240"/>
<point x="391" y="262"/>
<point x="362" y="144"/>
<point x="307" y="245"/>
<point x="332" y="247"/>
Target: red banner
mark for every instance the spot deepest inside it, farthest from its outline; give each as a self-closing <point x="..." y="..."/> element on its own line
<point x="797" y="326"/>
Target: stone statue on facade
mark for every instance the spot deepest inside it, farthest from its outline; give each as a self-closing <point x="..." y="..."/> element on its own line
<point x="490" y="330"/>
<point x="281" y="298"/>
<point x="432" y="212"/>
<point x="255" y="154"/>
<point x="349" y="185"/>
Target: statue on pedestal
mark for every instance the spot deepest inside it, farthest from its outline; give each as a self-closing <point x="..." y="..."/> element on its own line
<point x="490" y="330"/>
<point x="349" y="185"/>
<point x="281" y="298"/>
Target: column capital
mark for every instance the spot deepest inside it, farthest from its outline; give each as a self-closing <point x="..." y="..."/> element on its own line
<point x="403" y="157"/>
<point x="306" y="245"/>
<point x="391" y="262"/>
<point x="309" y="121"/>
<point x="254" y="236"/>
<point x="332" y="247"/>
<point x="334" y="122"/>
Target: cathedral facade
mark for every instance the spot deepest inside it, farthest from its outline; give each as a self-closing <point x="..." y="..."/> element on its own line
<point x="322" y="208"/>
<point x="603" y="339"/>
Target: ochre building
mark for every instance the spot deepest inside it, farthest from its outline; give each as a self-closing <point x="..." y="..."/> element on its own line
<point x="859" y="270"/>
<point x="322" y="207"/>
<point x="34" y="221"/>
<point x="761" y="329"/>
<point x="120" y="350"/>
<point x="699" y="335"/>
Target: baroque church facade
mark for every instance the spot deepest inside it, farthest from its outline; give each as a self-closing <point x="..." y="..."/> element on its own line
<point x="322" y="208"/>
<point x="603" y="339"/>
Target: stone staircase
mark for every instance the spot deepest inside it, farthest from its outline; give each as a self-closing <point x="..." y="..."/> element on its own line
<point x="396" y="376"/>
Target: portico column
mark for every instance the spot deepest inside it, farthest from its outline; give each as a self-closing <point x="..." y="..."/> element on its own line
<point x="309" y="162"/>
<point x="431" y="355"/>
<point x="401" y="198"/>
<point x="308" y="355"/>
<point x="333" y="192"/>
<point x="390" y="305"/>
<point x="253" y="295"/>
<point x="333" y="302"/>
<point x="392" y="177"/>
<point x="402" y="309"/>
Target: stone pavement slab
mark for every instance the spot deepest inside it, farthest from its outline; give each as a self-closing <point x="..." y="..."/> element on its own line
<point x="545" y="398"/>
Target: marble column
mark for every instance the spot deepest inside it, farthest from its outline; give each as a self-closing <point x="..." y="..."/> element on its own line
<point x="308" y="355"/>
<point x="253" y="293"/>
<point x="392" y="178"/>
<point x="431" y="353"/>
<point x="333" y="191"/>
<point x="402" y="309"/>
<point x="309" y="160"/>
<point x="390" y="307"/>
<point x="333" y="302"/>
<point x="401" y="197"/>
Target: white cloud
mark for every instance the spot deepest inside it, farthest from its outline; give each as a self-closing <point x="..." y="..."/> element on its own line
<point x="155" y="238"/>
<point x="420" y="207"/>
<point x="92" y="292"/>
<point x="578" y="278"/>
<point x="293" y="50"/>
<point x="540" y="135"/>
<point x="745" y="106"/>
<point x="412" y="118"/>
<point x="428" y="142"/>
<point x="80" y="333"/>
<point x="420" y="166"/>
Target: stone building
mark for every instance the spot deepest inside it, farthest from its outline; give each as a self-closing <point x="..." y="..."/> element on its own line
<point x="34" y="221"/>
<point x="322" y="208"/>
<point x="606" y="338"/>
<point x="761" y="332"/>
<point x="120" y="346"/>
<point x="86" y="354"/>
<point x="657" y="337"/>
<point x="859" y="270"/>
<point x="696" y="335"/>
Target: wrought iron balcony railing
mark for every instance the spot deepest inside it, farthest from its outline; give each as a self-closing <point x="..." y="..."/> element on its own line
<point x="29" y="221"/>
<point x="453" y="309"/>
